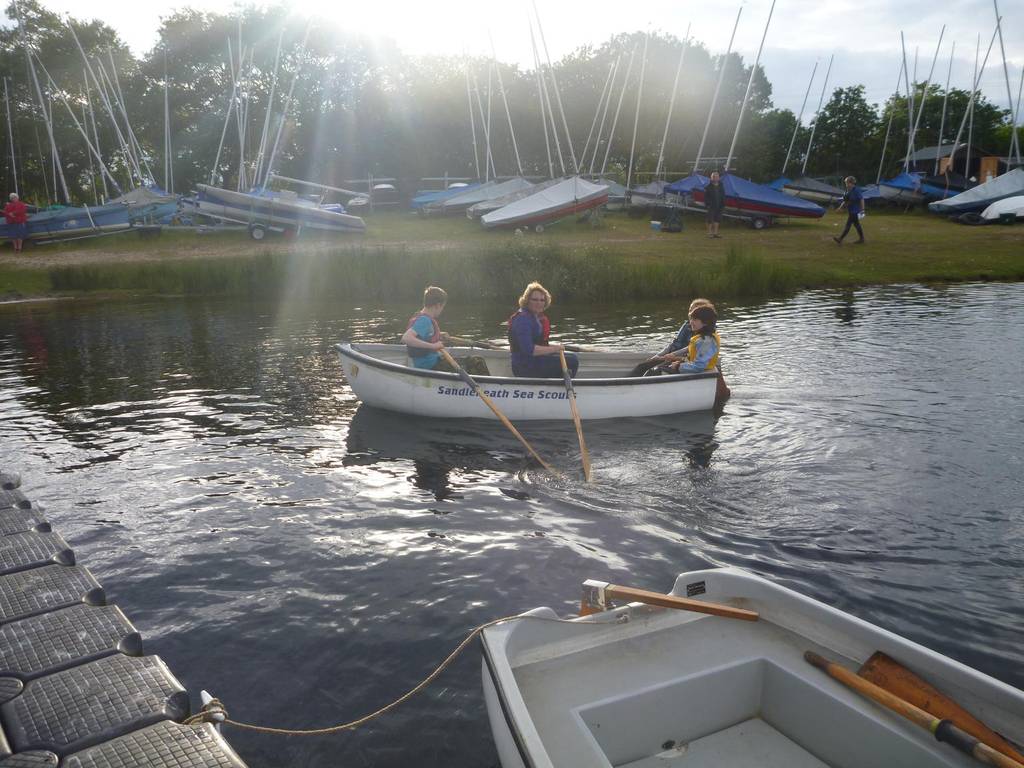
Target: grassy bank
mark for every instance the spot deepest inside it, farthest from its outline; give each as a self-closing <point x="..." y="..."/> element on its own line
<point x="621" y="258"/>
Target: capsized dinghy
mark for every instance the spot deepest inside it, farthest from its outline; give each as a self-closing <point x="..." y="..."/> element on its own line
<point x="380" y="375"/>
<point x="643" y="687"/>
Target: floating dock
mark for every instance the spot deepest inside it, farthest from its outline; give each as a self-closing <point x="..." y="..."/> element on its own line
<point x="76" y="687"/>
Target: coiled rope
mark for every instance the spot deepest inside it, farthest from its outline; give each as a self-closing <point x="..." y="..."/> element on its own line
<point x="214" y="711"/>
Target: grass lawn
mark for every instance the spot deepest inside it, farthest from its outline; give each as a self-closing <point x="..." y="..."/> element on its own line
<point x="902" y="247"/>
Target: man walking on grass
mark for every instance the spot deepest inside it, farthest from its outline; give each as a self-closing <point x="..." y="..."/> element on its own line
<point x="854" y="202"/>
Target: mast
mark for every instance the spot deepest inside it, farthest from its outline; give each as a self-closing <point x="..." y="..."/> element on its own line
<point x="799" y="119"/>
<point x="974" y="93"/>
<point x="604" y="113"/>
<point x="504" y="98"/>
<point x="550" y="112"/>
<point x="270" y="108"/>
<point x="540" y="98"/>
<point x="615" y="120"/>
<point x="1014" y="145"/>
<point x="10" y="137"/>
<point x="488" y="160"/>
<point x="490" y="155"/>
<point x="636" y="117"/>
<point x="597" y="113"/>
<point x="78" y="125"/>
<point x="970" y="110"/>
<point x="137" y="148"/>
<point x="42" y="105"/>
<point x="1016" y="114"/>
<point x="472" y="121"/>
<point x="718" y="87"/>
<point x="95" y="133"/>
<point x="924" y="91"/>
<point x="672" y="103"/>
<point x="817" y="115"/>
<point x="945" y="101"/>
<point x="284" y="114"/>
<point x="558" y="96"/>
<point x="888" y="128"/>
<point x="227" y="117"/>
<point x="750" y="84"/>
<point x="910" y="104"/>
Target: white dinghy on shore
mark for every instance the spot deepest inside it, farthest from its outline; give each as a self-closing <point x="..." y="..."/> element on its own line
<point x="639" y="686"/>
<point x="381" y="376"/>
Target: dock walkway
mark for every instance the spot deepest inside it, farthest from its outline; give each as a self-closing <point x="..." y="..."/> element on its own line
<point x="76" y="688"/>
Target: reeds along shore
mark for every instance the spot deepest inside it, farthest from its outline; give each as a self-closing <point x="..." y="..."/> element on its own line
<point x="382" y="273"/>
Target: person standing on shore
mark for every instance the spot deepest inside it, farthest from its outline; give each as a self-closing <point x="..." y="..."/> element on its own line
<point x="854" y="202"/>
<point x="714" y="202"/>
<point x="16" y="214"/>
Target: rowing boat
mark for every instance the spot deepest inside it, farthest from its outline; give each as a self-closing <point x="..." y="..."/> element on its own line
<point x="638" y="686"/>
<point x="381" y="376"/>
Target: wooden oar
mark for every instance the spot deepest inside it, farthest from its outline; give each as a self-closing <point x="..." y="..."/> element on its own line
<point x="943" y="730"/>
<point x="473" y="342"/>
<point x="887" y="673"/>
<point x="597" y="596"/>
<point x="490" y="404"/>
<point x="571" y="391"/>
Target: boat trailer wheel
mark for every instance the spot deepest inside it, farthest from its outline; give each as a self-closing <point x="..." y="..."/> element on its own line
<point x="539" y="228"/>
<point x="257" y="231"/>
<point x="759" y="223"/>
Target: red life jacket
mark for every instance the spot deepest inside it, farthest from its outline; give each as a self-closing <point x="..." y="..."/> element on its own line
<point x="434" y="337"/>
<point x="545" y="330"/>
<point x="16" y="212"/>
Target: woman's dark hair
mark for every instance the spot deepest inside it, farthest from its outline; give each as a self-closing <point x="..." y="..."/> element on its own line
<point x="708" y="318"/>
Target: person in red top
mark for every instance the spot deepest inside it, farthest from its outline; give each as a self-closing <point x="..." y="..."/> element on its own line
<point x="16" y="214"/>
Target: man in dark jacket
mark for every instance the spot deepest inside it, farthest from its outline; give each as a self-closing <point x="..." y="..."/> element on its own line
<point x="854" y="202"/>
<point x="714" y="202"/>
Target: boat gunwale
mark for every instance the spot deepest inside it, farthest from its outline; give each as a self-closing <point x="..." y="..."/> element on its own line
<point x="348" y="349"/>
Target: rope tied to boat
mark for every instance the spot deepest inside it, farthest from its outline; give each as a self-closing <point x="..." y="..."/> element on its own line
<point x="214" y="710"/>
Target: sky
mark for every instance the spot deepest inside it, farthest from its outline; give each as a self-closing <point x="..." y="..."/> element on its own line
<point x="864" y="35"/>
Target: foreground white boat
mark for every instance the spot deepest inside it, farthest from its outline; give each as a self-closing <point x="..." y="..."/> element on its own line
<point x="645" y="687"/>
<point x="1006" y="206"/>
<point x="565" y="198"/>
<point x="381" y="376"/>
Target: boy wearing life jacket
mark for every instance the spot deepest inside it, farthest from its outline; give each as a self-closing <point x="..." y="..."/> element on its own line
<point x="702" y="351"/>
<point x="423" y="337"/>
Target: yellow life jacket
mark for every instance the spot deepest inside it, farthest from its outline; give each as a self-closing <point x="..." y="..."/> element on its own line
<point x="691" y="351"/>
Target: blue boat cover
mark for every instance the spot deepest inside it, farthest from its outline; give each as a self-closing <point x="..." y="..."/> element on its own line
<point x="438" y="195"/>
<point x="908" y="181"/>
<point x="870" y="192"/>
<point x="690" y="184"/>
<point x="779" y="183"/>
<point x="762" y="196"/>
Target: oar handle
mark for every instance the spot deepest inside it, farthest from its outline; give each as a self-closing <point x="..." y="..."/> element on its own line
<point x="475" y="386"/>
<point x="943" y="730"/>
<point x="474" y="342"/>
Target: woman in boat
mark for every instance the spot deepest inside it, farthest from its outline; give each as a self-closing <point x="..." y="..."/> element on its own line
<point x="424" y="339"/>
<point x="701" y="353"/>
<point x="16" y="215"/>
<point x="528" y="330"/>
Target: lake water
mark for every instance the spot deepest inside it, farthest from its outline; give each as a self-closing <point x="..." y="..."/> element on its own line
<point x="308" y="560"/>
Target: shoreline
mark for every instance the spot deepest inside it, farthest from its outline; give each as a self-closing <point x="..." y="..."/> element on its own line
<point x="620" y="257"/>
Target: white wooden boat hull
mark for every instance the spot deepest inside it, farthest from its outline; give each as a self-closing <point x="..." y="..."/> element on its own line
<point x="641" y="687"/>
<point x="380" y="377"/>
